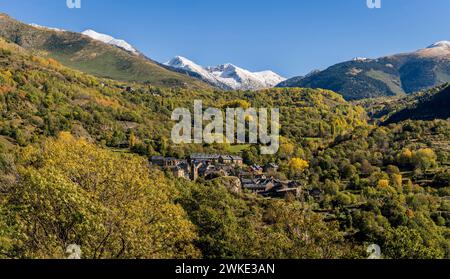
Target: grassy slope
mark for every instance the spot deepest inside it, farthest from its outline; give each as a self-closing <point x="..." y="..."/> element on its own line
<point x="80" y="52"/>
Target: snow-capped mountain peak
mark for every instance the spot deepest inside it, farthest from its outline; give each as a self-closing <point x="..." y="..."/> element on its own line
<point x="229" y="76"/>
<point x="181" y="62"/>
<point x="270" y="77"/>
<point x="45" y="27"/>
<point x="227" y="70"/>
<point x="110" y="40"/>
<point x="438" y="49"/>
<point x="441" y="44"/>
<point x="360" y="59"/>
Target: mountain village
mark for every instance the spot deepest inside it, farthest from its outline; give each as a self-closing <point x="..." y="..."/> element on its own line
<point x="256" y="179"/>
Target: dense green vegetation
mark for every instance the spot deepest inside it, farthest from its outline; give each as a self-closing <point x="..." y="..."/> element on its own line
<point x="425" y="105"/>
<point x="74" y="169"/>
<point x="390" y="180"/>
<point x="41" y="98"/>
<point x="428" y="106"/>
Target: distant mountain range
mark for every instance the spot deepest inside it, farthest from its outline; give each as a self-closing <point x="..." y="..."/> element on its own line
<point x="105" y="56"/>
<point x="228" y="76"/>
<point x="386" y="76"/>
<point x="94" y="53"/>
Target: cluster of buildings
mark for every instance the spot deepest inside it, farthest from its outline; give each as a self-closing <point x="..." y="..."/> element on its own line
<point x="270" y="187"/>
<point x="200" y="165"/>
<point x="255" y="178"/>
<point x="125" y="88"/>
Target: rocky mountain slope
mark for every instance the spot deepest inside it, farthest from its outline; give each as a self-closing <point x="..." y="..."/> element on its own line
<point x="386" y="76"/>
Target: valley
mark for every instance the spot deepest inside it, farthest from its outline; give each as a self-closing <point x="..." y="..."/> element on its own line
<point x="86" y="156"/>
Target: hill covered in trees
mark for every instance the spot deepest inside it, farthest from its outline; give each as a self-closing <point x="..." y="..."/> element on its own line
<point x="91" y="56"/>
<point x="393" y="75"/>
<point x="428" y="106"/>
<point x="41" y="98"/>
<point x="425" y="105"/>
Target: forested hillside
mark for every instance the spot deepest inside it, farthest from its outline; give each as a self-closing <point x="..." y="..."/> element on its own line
<point x="393" y="75"/>
<point x="425" y="105"/>
<point x="428" y="106"/>
<point x="74" y="168"/>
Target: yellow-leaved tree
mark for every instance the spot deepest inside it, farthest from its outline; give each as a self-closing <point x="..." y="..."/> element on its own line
<point x="112" y="205"/>
<point x="297" y="166"/>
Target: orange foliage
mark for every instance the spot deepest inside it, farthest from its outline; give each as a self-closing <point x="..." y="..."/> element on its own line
<point x="107" y="102"/>
<point x="5" y="89"/>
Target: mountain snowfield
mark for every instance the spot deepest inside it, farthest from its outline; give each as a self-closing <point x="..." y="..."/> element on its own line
<point x="438" y="49"/>
<point x="46" y="27"/>
<point x="107" y="39"/>
<point x="229" y="76"/>
<point x="441" y="44"/>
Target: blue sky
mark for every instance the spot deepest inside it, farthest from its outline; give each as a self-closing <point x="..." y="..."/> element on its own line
<point x="291" y="37"/>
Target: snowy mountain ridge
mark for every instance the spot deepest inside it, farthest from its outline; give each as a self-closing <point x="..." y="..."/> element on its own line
<point x="110" y="40"/>
<point x="228" y="76"/>
<point x="45" y="27"/>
